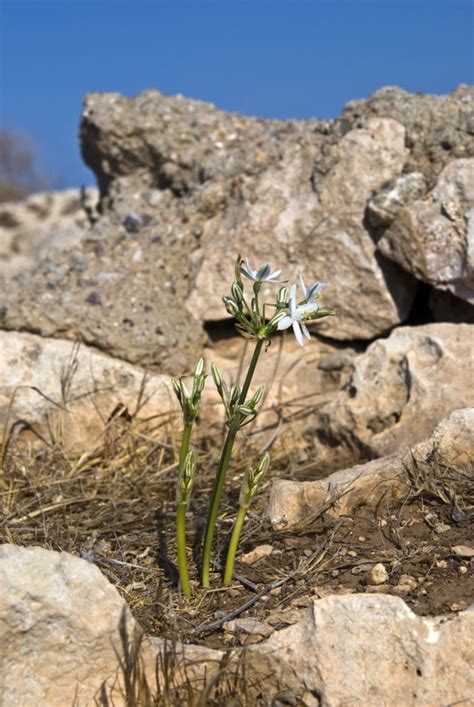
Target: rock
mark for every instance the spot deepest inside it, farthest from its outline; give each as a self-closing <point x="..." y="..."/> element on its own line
<point x="293" y="209"/>
<point x="400" y="388"/>
<point x="433" y="238"/>
<point x="345" y="492"/>
<point x="60" y="623"/>
<point x="378" y="574"/>
<point x="374" y="647"/>
<point x="70" y="392"/>
<point x="400" y="191"/>
<point x="59" y="647"/>
<point x="405" y="584"/>
<point x="250" y="627"/>
<point x="439" y="129"/>
<point x="42" y="223"/>
<point x="463" y="551"/>
<point x="258" y="553"/>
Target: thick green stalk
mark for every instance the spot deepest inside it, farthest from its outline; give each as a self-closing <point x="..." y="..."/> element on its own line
<point x="219" y="480"/>
<point x="181" y="545"/>
<point x="181" y="518"/>
<point x="234" y="542"/>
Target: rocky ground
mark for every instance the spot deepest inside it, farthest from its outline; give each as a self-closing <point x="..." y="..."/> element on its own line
<point x="355" y="577"/>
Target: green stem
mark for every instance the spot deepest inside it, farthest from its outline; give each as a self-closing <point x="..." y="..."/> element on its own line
<point x="181" y="545"/>
<point x="234" y="542"/>
<point x="219" y="480"/>
<point x="181" y="519"/>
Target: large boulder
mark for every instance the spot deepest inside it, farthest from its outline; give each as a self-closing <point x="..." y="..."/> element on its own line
<point x="400" y="388"/>
<point x="62" y="626"/>
<point x="371" y="650"/>
<point x="185" y="187"/>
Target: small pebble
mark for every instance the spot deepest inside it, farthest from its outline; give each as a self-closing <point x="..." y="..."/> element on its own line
<point x="249" y="558"/>
<point x="463" y="569"/>
<point x="378" y="574"/>
<point x="352" y="553"/>
<point x="362" y="538"/>
<point x="132" y="222"/>
<point x="463" y="551"/>
<point x="441" y="528"/>
<point x="442" y="564"/>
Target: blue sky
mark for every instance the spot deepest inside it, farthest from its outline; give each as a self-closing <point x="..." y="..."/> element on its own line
<point x="276" y="58"/>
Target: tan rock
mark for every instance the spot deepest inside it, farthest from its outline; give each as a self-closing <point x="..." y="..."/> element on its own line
<point x="59" y="628"/>
<point x="374" y="647"/>
<point x="378" y="574"/>
<point x="286" y="210"/>
<point x="433" y="238"/>
<point x="463" y="551"/>
<point x="400" y="388"/>
<point x="68" y="393"/>
<point x="258" y="553"/>
<point x="293" y="503"/>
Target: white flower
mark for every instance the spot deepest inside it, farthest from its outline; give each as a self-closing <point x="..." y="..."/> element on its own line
<point x="311" y="293"/>
<point x="298" y="313"/>
<point x="263" y="274"/>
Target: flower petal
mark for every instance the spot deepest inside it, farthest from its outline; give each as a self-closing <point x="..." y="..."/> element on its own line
<point x="298" y="334"/>
<point x="285" y="323"/>
<point x="305" y="331"/>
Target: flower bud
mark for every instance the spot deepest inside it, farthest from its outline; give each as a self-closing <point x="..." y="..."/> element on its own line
<point x="282" y="295"/>
<point x="186" y="478"/>
<point x="199" y="369"/>
<point x="234" y="394"/>
<point x="177" y="389"/>
<point x="217" y="376"/>
<point x="231" y="306"/>
<point x="258" y="395"/>
<point x="237" y="292"/>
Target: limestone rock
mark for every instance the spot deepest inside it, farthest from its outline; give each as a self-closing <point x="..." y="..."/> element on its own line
<point x="433" y="238"/>
<point x="345" y="492"/>
<point x="374" y="647"/>
<point x="439" y="129"/>
<point x="77" y="389"/>
<point x="394" y="194"/>
<point x="59" y="628"/>
<point x="40" y="224"/>
<point x="400" y="388"/>
<point x="285" y="213"/>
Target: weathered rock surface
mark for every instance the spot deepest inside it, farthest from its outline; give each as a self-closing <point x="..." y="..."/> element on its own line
<point x="433" y="238"/>
<point x="61" y="639"/>
<point x="364" y="486"/>
<point x="43" y="223"/>
<point x="296" y="381"/>
<point x="288" y="217"/>
<point x="77" y="389"/>
<point x="185" y="187"/>
<point x="59" y="628"/>
<point x="400" y="388"/>
<point x="372" y="650"/>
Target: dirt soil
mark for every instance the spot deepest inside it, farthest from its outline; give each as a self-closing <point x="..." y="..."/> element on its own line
<point x="113" y="507"/>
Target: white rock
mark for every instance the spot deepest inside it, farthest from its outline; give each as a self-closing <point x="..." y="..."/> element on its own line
<point x="59" y="628"/>
<point x="378" y="574"/>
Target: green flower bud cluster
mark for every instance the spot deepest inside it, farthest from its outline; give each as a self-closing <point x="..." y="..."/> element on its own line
<point x="251" y="480"/>
<point x="238" y="413"/>
<point x="189" y="401"/>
